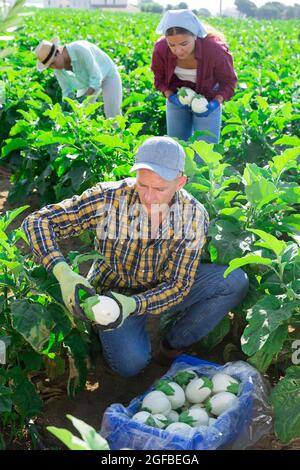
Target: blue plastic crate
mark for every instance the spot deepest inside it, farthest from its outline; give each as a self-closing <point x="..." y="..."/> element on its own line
<point x="121" y="431"/>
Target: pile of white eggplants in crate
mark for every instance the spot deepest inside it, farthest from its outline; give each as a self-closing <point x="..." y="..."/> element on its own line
<point x="187" y="402"/>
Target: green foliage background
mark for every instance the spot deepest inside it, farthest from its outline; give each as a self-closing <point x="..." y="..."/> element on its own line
<point x="249" y="184"/>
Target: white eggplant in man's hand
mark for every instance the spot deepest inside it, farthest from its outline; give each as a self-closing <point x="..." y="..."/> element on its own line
<point x="109" y="311"/>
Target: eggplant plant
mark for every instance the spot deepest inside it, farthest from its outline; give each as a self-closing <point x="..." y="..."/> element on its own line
<point x="37" y="333"/>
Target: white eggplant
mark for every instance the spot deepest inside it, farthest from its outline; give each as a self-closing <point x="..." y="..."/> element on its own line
<point x="224" y="383"/>
<point x="156" y="402"/>
<point x="101" y="309"/>
<point x="185" y="95"/>
<point x="199" y="104"/>
<point x="177" y="400"/>
<point x="173" y="416"/>
<point x="173" y="391"/>
<point x="197" y="406"/>
<point x="198" y="390"/>
<point x="180" y="428"/>
<point x="194" y="417"/>
<point x="141" y="417"/>
<point x="160" y="420"/>
<point x="220" y="403"/>
<point x="184" y="376"/>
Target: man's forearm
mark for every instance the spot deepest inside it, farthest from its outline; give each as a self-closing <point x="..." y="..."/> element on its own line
<point x="164" y="296"/>
<point x="42" y="240"/>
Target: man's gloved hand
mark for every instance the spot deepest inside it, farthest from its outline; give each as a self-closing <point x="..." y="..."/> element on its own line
<point x="212" y="106"/>
<point x="175" y="100"/>
<point x="68" y="281"/>
<point x="109" y="311"/>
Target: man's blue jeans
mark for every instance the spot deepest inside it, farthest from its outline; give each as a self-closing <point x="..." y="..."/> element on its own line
<point x="127" y="349"/>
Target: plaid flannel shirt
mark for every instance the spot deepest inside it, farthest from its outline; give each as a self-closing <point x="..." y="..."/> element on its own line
<point x="157" y="271"/>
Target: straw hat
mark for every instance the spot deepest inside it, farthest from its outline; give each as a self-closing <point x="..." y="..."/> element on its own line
<point x="45" y="53"/>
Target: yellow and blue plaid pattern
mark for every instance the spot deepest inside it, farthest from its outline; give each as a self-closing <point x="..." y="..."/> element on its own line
<point x="157" y="271"/>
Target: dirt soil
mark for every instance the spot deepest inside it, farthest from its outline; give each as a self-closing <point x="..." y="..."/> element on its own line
<point x="103" y="387"/>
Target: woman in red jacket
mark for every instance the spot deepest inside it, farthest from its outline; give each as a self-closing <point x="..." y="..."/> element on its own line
<point x="189" y="56"/>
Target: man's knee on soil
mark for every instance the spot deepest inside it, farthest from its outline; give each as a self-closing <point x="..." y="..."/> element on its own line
<point x="237" y="283"/>
<point x="131" y="367"/>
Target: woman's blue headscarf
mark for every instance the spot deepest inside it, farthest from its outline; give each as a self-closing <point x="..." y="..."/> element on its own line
<point x="181" y="19"/>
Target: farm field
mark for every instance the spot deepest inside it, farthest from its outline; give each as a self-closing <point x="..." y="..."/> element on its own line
<point x="51" y="150"/>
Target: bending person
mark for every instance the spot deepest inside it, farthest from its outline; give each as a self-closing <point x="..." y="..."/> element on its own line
<point x="188" y="55"/>
<point x="82" y="67"/>
<point x="151" y="233"/>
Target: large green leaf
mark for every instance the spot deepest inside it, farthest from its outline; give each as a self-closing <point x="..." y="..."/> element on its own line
<point x="82" y="257"/>
<point x="291" y="193"/>
<point x="287" y="159"/>
<point x="111" y="142"/>
<point x="228" y="241"/>
<point x="63" y="324"/>
<point x="78" y="173"/>
<point x="249" y="259"/>
<point x="49" y="138"/>
<point x="78" y="354"/>
<point x="288" y="140"/>
<point x="121" y="171"/>
<point x="13" y="144"/>
<point x="91" y="440"/>
<point x="264" y="318"/>
<point x="236" y="212"/>
<point x="253" y="173"/>
<point x="292" y="220"/>
<point x="271" y="242"/>
<point x="286" y="405"/>
<point x="89" y="435"/>
<point x="263" y="358"/>
<point x="32" y="360"/>
<point x="290" y="255"/>
<point x="33" y="322"/>
<point x="190" y="167"/>
<point x="13" y="266"/>
<point x="90" y="108"/>
<point x="26" y="399"/>
<point x="135" y="127"/>
<point x="262" y="102"/>
<point x="67" y="438"/>
<point x="5" y="399"/>
<point x="200" y="185"/>
<point x="260" y="191"/>
<point x="9" y="216"/>
<point x="10" y="15"/>
<point x="207" y="153"/>
<point x="231" y="128"/>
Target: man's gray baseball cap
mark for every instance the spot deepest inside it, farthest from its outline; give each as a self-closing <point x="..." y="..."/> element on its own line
<point x="163" y="155"/>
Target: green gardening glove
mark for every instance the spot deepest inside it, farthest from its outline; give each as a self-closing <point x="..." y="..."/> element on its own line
<point x="128" y="304"/>
<point x="109" y="311"/>
<point x="70" y="282"/>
